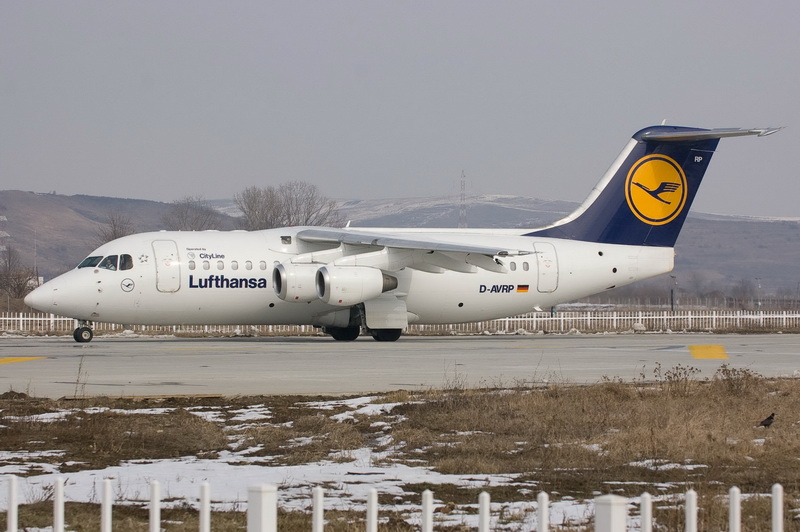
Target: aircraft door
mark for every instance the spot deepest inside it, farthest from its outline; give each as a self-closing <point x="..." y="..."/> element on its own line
<point x="547" y="262"/>
<point x="168" y="265"/>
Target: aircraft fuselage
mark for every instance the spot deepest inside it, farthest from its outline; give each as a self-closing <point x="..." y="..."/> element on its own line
<point x="209" y="277"/>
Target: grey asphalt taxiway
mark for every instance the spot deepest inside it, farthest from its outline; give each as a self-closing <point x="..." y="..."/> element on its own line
<point x="142" y="366"/>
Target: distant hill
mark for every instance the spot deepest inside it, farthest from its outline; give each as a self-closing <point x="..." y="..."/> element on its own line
<point x="55" y="232"/>
<point x="714" y="251"/>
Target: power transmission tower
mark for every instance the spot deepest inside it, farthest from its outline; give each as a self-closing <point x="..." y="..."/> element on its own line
<point x="462" y="207"/>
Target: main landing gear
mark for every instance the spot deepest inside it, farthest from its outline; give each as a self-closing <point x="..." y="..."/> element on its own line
<point x="83" y="333"/>
<point x="386" y="335"/>
<point x="343" y="334"/>
<point x="348" y="334"/>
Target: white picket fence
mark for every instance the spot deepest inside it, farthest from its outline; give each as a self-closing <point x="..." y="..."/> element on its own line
<point x="611" y="511"/>
<point x="534" y="322"/>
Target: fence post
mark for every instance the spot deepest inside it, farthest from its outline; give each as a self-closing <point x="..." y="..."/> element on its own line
<point x="205" y="507"/>
<point x="543" y="515"/>
<point x="427" y="511"/>
<point x="58" y="505"/>
<point x="262" y="508"/>
<point x="12" y="515"/>
<point x="646" y="512"/>
<point x="155" y="506"/>
<point x="318" y="509"/>
<point x="777" y="508"/>
<point x="610" y="513"/>
<point x="734" y="510"/>
<point x="691" y="511"/>
<point x="105" y="506"/>
<point x="372" y="510"/>
<point x="484" y="511"/>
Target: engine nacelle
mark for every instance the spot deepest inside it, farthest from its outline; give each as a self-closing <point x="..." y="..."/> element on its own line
<point x="295" y="282"/>
<point x="345" y="286"/>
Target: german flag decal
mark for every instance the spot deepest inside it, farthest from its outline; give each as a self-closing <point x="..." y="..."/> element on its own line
<point x="522" y="288"/>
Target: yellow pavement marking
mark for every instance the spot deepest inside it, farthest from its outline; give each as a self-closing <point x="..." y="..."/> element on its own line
<point x="9" y="360"/>
<point x="708" y="351"/>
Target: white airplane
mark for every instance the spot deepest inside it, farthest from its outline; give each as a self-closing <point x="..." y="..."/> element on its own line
<point x="345" y="280"/>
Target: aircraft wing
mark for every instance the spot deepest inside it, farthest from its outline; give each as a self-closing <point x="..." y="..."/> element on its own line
<point x="421" y="252"/>
<point x="367" y="238"/>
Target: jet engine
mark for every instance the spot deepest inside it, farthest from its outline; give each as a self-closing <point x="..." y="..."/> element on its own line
<point x="295" y="282"/>
<point x="345" y="286"/>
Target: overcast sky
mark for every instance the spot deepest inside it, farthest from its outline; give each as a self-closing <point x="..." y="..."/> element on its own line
<point x="374" y="99"/>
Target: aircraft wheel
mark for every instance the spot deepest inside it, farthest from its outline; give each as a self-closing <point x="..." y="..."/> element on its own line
<point x="387" y="335"/>
<point x="344" y="334"/>
<point x="83" y="334"/>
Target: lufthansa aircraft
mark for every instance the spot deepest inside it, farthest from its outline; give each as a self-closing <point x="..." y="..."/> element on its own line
<point x="345" y="280"/>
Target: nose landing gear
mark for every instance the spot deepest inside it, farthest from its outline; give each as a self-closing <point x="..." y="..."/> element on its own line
<point x="83" y="333"/>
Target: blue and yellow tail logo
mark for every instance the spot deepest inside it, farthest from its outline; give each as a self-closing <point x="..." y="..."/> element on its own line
<point x="656" y="189"/>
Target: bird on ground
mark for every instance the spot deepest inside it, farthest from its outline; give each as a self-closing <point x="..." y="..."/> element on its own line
<point x="767" y="421"/>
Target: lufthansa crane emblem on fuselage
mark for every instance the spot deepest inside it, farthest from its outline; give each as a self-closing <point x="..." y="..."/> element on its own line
<point x="656" y="189"/>
<point x="127" y="285"/>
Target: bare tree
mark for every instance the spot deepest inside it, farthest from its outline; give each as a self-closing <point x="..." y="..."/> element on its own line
<point x="292" y="203"/>
<point x="16" y="279"/>
<point x="192" y="213"/>
<point x="303" y="204"/>
<point x="115" y="225"/>
<point x="698" y="282"/>
<point x="259" y="208"/>
<point x="744" y="289"/>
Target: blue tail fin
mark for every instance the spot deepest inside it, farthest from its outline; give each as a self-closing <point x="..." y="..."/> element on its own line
<point x="645" y="196"/>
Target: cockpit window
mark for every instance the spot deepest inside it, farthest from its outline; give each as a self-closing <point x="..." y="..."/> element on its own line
<point x="125" y="262"/>
<point x="109" y="263"/>
<point x="90" y="262"/>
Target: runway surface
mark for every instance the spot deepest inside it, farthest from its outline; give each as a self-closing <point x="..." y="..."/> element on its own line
<point x="119" y="366"/>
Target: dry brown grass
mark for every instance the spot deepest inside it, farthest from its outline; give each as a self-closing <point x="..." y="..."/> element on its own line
<point x="575" y="439"/>
<point x="310" y="438"/>
<point x="667" y="431"/>
<point x="100" y="439"/>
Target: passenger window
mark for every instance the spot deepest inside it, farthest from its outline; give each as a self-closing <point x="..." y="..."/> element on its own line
<point x="90" y="262"/>
<point x="220" y="265"/>
<point x="125" y="262"/>
<point x="525" y="266"/>
<point x="513" y="266"/>
<point x="262" y="265"/>
<point x="191" y="265"/>
<point x="109" y="263"/>
<point x="234" y="265"/>
<point x="206" y="265"/>
<point x="248" y="265"/>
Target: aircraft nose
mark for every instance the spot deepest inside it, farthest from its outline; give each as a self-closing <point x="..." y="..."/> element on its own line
<point x="40" y="298"/>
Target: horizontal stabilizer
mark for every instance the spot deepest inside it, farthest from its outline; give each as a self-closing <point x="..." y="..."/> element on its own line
<point x="695" y="135"/>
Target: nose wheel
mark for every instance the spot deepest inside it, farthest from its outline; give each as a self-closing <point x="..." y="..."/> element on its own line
<point x="83" y="334"/>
